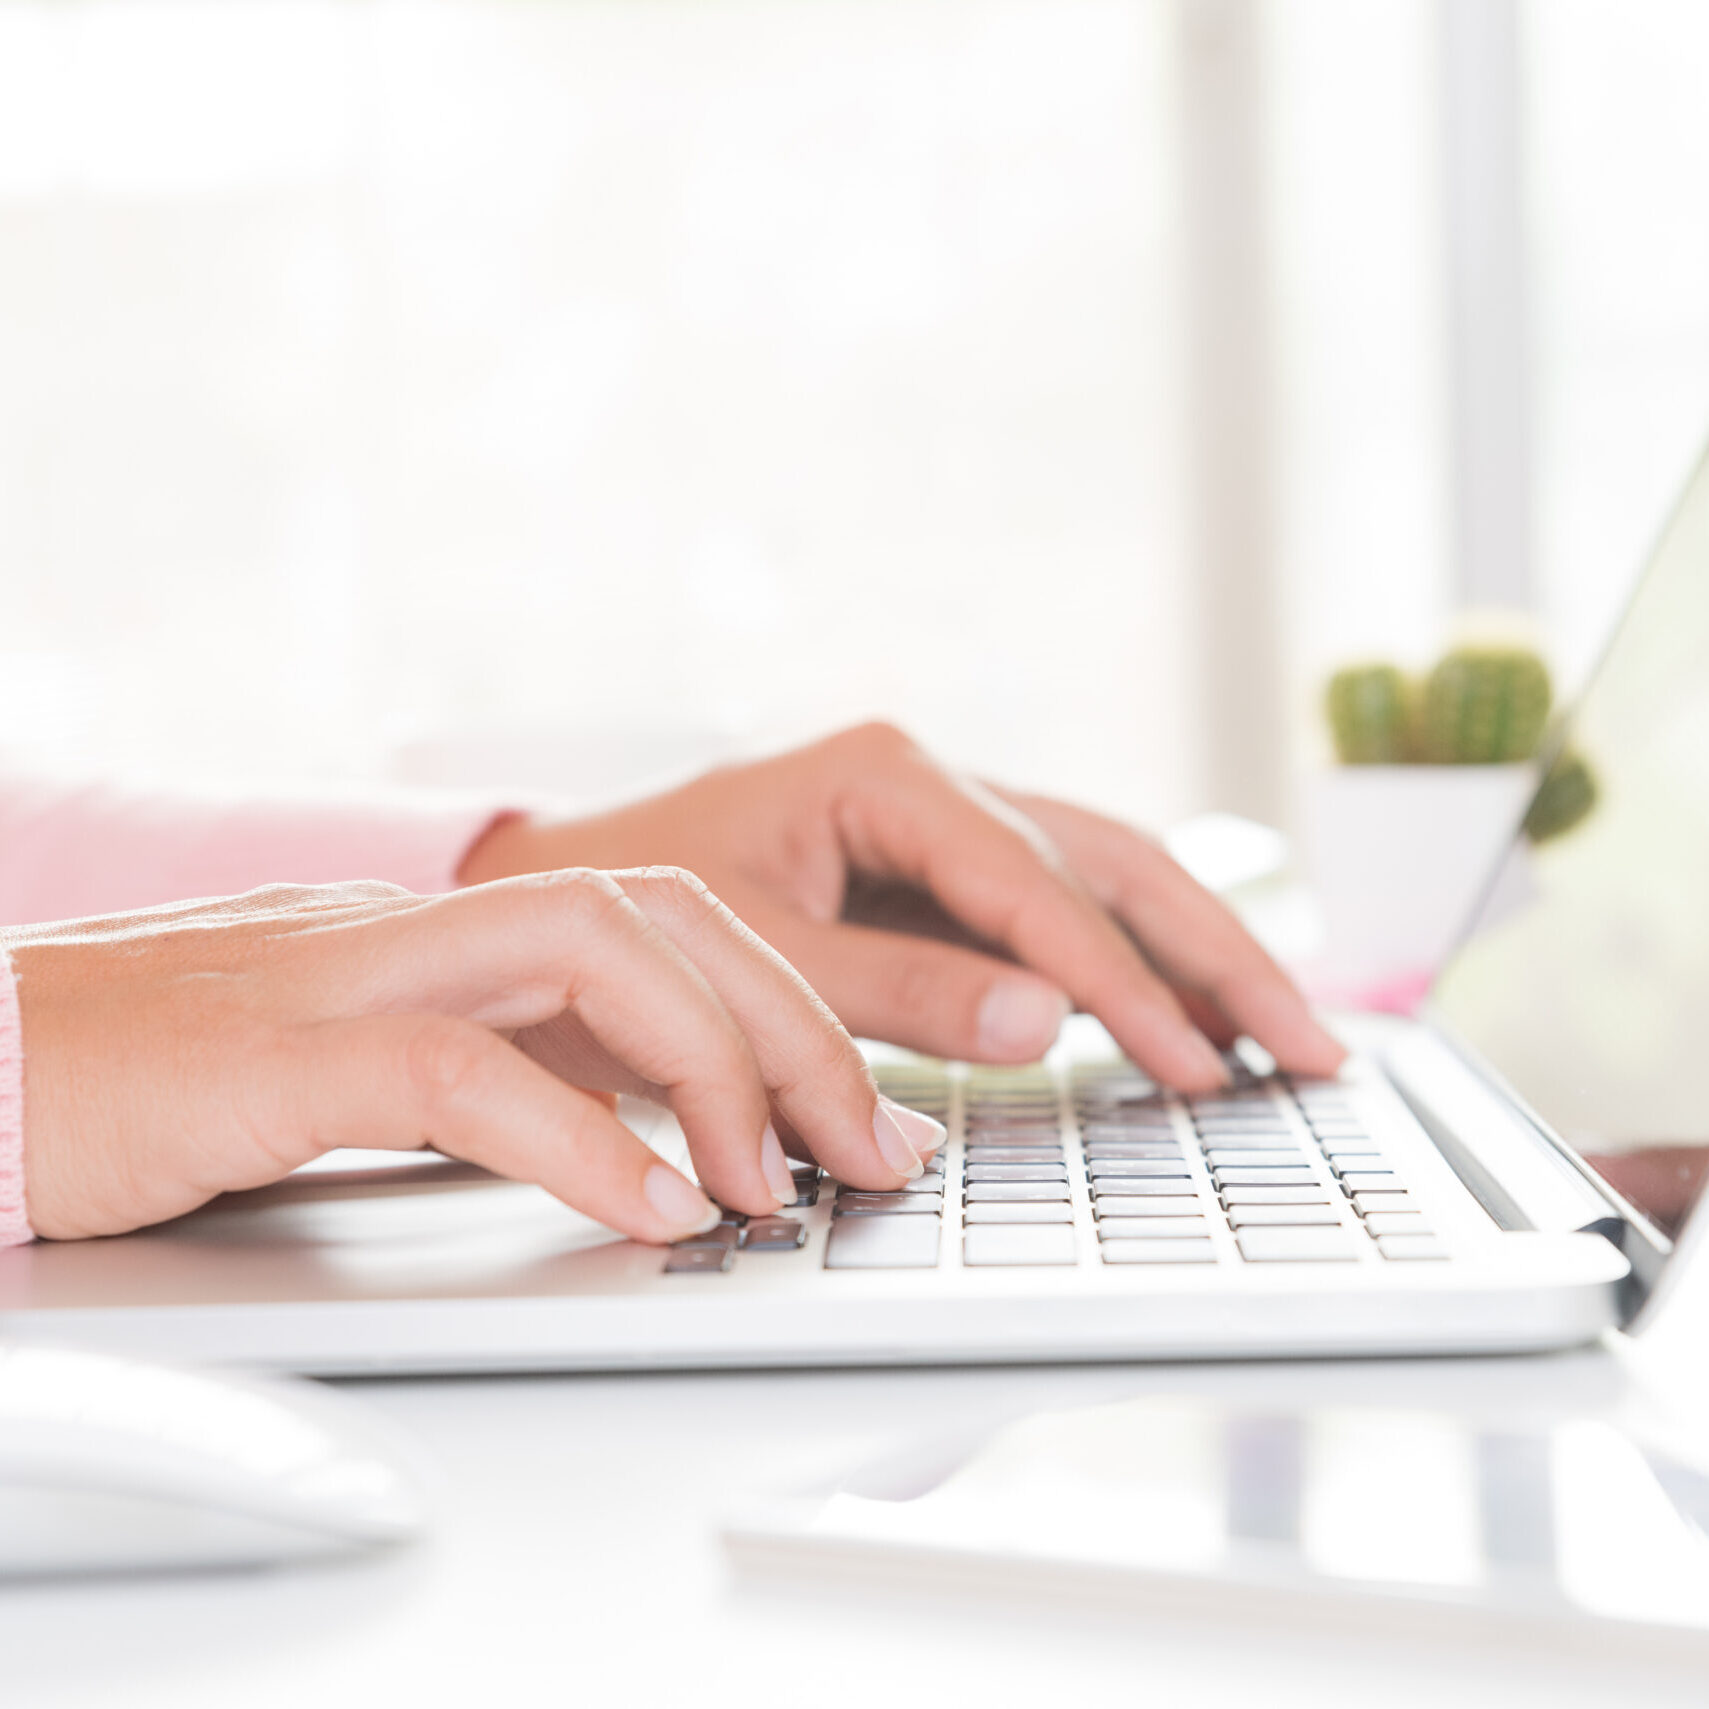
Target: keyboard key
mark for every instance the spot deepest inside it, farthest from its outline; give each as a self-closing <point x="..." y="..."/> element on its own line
<point x="1328" y="1120"/>
<point x="730" y="1218"/>
<point x="1255" y="1159"/>
<point x="1034" y="1133"/>
<point x="883" y="1243"/>
<point x="1157" y="1251"/>
<point x="1014" y="1192"/>
<point x="1283" y="1216"/>
<point x="1411" y="1246"/>
<point x="1265" y="1142"/>
<point x="724" y="1234"/>
<point x="1370" y="1181"/>
<point x="805" y="1196"/>
<point x="1014" y="1154"/>
<point x="1116" y="1210"/>
<point x="1119" y="1148"/>
<point x="1351" y="1148"/>
<point x="1118" y="1080"/>
<point x="1120" y="1187"/>
<point x="1106" y="1168"/>
<point x="922" y="1186"/>
<point x="1017" y="1172"/>
<point x="1153" y="1227"/>
<point x="1296" y="1245"/>
<point x="1396" y="1222"/>
<point x="1282" y="1177"/>
<point x="698" y="1260"/>
<point x="1127" y="1127"/>
<point x="1366" y="1203"/>
<point x="1014" y="1243"/>
<point x="773" y="1234"/>
<point x="887" y="1204"/>
<point x="1029" y="1211"/>
<point x="1313" y="1195"/>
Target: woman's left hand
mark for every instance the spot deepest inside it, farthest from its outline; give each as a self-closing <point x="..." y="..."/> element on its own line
<point x="936" y="912"/>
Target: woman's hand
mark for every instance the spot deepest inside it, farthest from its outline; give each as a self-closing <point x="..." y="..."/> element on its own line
<point x="907" y="895"/>
<point x="185" y="1051"/>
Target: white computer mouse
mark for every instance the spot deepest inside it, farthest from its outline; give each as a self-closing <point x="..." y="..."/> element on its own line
<point x="115" y="1464"/>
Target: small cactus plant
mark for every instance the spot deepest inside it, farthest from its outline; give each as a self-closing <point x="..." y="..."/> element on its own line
<point x="1566" y="796"/>
<point x="1368" y="714"/>
<point x="1479" y="705"/>
<point x="1482" y="706"/>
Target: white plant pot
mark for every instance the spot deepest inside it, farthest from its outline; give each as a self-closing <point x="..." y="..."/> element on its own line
<point x="1400" y="856"/>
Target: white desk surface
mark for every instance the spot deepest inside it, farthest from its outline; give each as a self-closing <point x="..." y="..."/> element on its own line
<point x="576" y="1560"/>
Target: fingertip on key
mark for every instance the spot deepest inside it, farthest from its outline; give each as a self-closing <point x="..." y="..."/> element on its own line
<point x="681" y="1205"/>
<point x="893" y="1143"/>
<point x="1199" y="1066"/>
<point x="924" y="1133"/>
<point x="775" y="1166"/>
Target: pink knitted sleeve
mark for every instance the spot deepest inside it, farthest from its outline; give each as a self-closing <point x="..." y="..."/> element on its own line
<point x="70" y="851"/>
<point x="14" y="1221"/>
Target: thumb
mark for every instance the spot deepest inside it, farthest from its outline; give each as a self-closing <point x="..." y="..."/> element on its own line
<point x="929" y="996"/>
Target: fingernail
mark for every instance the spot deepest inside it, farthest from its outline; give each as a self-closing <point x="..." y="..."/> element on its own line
<point x="776" y="1167"/>
<point x="1019" y="1020"/>
<point x="893" y="1143"/>
<point x="923" y="1134"/>
<point x="684" y="1208"/>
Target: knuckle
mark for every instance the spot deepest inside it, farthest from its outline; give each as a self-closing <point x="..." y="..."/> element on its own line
<point x="680" y="886"/>
<point x="587" y="893"/>
<point x="834" y="1047"/>
<point x="681" y="896"/>
<point x="445" y="1061"/>
<point x="877" y="739"/>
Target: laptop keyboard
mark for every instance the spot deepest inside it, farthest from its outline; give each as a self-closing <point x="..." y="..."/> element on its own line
<point x="1269" y="1170"/>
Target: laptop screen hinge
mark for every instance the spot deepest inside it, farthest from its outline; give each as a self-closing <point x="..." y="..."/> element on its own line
<point x="1481" y="1127"/>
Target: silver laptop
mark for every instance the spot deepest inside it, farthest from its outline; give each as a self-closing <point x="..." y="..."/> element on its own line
<point x="1507" y="1173"/>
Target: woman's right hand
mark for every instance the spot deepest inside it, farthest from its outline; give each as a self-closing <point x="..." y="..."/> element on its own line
<point x="186" y="1051"/>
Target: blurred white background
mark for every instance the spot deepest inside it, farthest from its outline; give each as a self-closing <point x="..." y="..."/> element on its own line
<point x="1070" y="380"/>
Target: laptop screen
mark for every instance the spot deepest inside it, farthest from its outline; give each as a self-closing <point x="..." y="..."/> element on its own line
<point x="1584" y="980"/>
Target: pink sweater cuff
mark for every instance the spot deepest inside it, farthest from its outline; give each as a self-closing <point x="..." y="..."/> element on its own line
<point x="14" y="1221"/>
<point x="68" y="852"/>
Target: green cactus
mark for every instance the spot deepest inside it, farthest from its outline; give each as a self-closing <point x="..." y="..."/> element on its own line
<point x="1368" y="714"/>
<point x="1482" y="706"/>
<point x="1565" y="798"/>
